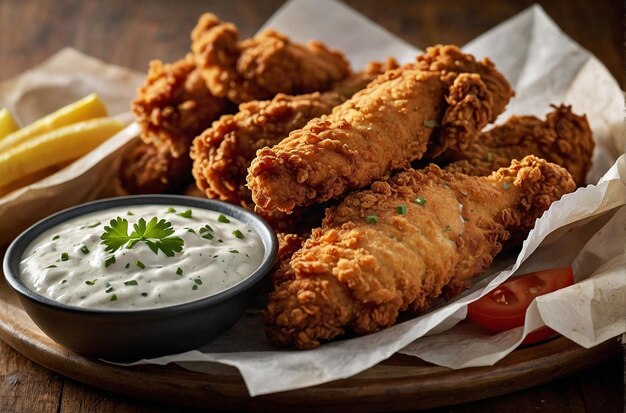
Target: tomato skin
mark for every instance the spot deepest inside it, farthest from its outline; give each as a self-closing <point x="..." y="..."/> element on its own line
<point x="505" y="307"/>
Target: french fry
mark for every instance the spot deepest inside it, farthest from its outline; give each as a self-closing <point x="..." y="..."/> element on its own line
<point x="55" y="147"/>
<point x="88" y="107"/>
<point x="7" y="123"/>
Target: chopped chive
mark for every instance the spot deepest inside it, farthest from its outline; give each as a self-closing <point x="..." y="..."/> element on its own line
<point x="198" y="281"/>
<point x="127" y="265"/>
<point x="420" y="200"/>
<point x="179" y="271"/>
<point x="233" y="251"/>
<point x="430" y="123"/>
<point x="170" y="210"/>
<point x="489" y="156"/>
<point x="50" y="266"/>
<point x="220" y="240"/>
<point x="89" y="282"/>
<point x="113" y="298"/>
<point x="185" y="214"/>
<point x="63" y="282"/>
<point x="401" y="209"/>
<point x="140" y="264"/>
<point x="131" y="282"/>
<point x="91" y="225"/>
<point x="205" y="228"/>
<point x="56" y="237"/>
<point x="108" y="290"/>
<point x="506" y="185"/>
<point x="65" y="256"/>
<point x="195" y="287"/>
<point x="238" y="234"/>
<point x="190" y="230"/>
<point x="222" y="218"/>
<point x="371" y="219"/>
<point x="84" y="249"/>
<point x="109" y="261"/>
<point x="447" y="228"/>
<point x="130" y="213"/>
<point x="144" y="294"/>
<point x="208" y="236"/>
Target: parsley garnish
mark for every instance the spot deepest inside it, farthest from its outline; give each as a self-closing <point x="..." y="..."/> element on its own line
<point x="401" y="209"/>
<point x="186" y="214"/>
<point x="89" y="282"/>
<point x="371" y="219"/>
<point x="179" y="271"/>
<point x="233" y="251"/>
<point x="205" y="232"/>
<point x="140" y="264"/>
<point x="109" y="261"/>
<point x="84" y="249"/>
<point x="156" y="234"/>
<point x="170" y="210"/>
<point x="238" y="234"/>
<point x="222" y="218"/>
<point x="131" y="282"/>
<point x="198" y="281"/>
<point x="113" y="298"/>
<point x="65" y="256"/>
<point x="420" y="200"/>
<point x="56" y="237"/>
<point x="108" y="290"/>
<point x="195" y="287"/>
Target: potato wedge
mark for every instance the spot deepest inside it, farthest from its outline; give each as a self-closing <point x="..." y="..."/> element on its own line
<point x="88" y="107"/>
<point x="58" y="146"/>
<point x="7" y="123"/>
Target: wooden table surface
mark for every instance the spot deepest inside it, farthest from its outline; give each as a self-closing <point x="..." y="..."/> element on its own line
<point x="130" y="33"/>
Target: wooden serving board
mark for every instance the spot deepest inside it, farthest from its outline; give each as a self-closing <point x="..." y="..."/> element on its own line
<point x="399" y="383"/>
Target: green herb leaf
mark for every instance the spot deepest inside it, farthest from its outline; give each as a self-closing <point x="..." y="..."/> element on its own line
<point x="190" y="230"/>
<point x="65" y="256"/>
<point x="233" y="251"/>
<point x="222" y="218"/>
<point x="186" y="214"/>
<point x="238" y="234"/>
<point x="84" y="249"/>
<point x="130" y="213"/>
<point x="109" y="261"/>
<point x="89" y="282"/>
<point x="420" y="200"/>
<point x="401" y="209"/>
<point x="91" y="225"/>
<point x="371" y="219"/>
<point x="155" y="233"/>
<point x="131" y="282"/>
<point x="127" y="265"/>
<point x="195" y="287"/>
<point x="140" y="264"/>
<point x="50" y="266"/>
<point x="113" y="298"/>
<point x="179" y="271"/>
<point x="170" y="210"/>
<point x="108" y="290"/>
<point x="144" y="294"/>
<point x="56" y="237"/>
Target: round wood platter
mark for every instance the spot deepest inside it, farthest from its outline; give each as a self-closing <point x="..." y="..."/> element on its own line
<point x="399" y="383"/>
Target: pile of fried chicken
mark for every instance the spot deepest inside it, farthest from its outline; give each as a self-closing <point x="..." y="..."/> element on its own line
<point x="382" y="186"/>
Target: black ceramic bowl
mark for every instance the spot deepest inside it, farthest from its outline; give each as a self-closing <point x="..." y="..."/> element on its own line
<point x="134" y="334"/>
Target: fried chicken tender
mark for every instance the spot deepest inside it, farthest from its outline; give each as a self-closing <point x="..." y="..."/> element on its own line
<point x="263" y="66"/>
<point x="563" y="138"/>
<point x="372" y="258"/>
<point x="174" y="106"/>
<point x="223" y="152"/>
<point x="147" y="170"/>
<point x="441" y="101"/>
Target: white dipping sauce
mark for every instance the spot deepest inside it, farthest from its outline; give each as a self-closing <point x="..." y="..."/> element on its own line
<point x="68" y="263"/>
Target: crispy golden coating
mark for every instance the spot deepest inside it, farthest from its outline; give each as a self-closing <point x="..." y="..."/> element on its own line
<point x="442" y="101"/>
<point x="356" y="274"/>
<point x="223" y="152"/>
<point x="563" y="138"/>
<point x="263" y="66"/>
<point x="174" y="106"/>
<point x="147" y="170"/>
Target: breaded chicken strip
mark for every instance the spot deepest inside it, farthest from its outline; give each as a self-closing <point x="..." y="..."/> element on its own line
<point x="392" y="248"/>
<point x="442" y="101"/>
<point x="563" y="138"/>
<point x="223" y="152"/>
<point x="263" y="66"/>
<point x="174" y="106"/>
<point x="147" y="170"/>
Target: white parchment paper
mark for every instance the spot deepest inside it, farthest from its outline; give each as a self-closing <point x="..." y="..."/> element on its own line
<point x="585" y="229"/>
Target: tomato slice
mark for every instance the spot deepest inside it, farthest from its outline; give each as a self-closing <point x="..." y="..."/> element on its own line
<point x="505" y="307"/>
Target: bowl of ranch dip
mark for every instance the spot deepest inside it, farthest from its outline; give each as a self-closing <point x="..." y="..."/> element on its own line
<point x="140" y="276"/>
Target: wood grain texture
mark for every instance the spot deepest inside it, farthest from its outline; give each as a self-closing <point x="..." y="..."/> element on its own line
<point x="130" y="33"/>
